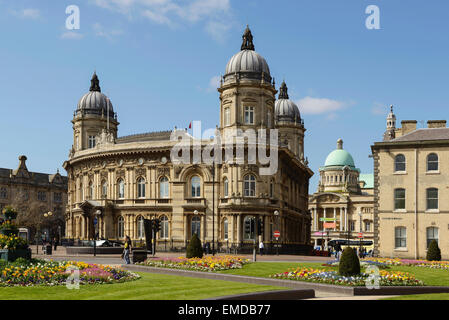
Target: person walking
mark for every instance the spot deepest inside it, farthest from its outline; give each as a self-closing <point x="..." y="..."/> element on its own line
<point x="127" y="250"/>
<point x="261" y="248"/>
<point x="55" y="243"/>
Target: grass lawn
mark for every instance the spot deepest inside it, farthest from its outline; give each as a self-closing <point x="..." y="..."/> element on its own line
<point x="149" y="287"/>
<point x="432" y="296"/>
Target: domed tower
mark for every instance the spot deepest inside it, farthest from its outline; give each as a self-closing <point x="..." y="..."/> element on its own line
<point x="390" y="133"/>
<point x="339" y="173"/>
<point x="247" y="93"/>
<point x="93" y="115"/>
<point x="288" y="121"/>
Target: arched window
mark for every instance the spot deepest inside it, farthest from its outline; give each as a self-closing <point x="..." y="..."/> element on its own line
<point x="140" y="228"/>
<point x="271" y="189"/>
<point x="120" y="227"/>
<point x="399" y="199"/>
<point x="163" y="188"/>
<point x="225" y="187"/>
<point x="400" y="237"/>
<point x="196" y="187"/>
<point x="249" y="186"/>
<point x="432" y="234"/>
<point x="81" y="192"/>
<point x="163" y="234"/>
<point x="432" y="198"/>
<point x="432" y="162"/>
<point x="141" y="187"/>
<point x="399" y="163"/>
<point x="104" y="188"/>
<point x="121" y="189"/>
<point x="249" y="228"/>
<point x="196" y="226"/>
<point x="225" y="229"/>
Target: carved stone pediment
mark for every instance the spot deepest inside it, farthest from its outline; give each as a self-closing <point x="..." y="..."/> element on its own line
<point x="141" y="172"/>
<point x="163" y="171"/>
<point x="103" y="175"/>
<point x="120" y="173"/>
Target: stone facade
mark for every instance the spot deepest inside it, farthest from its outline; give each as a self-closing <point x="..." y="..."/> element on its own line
<point x="33" y="193"/>
<point x="411" y="184"/>
<point x="121" y="180"/>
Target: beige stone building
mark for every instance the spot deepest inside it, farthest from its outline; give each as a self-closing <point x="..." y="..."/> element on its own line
<point x="119" y="181"/>
<point x="345" y="199"/>
<point x="411" y="187"/>
<point x="33" y="194"/>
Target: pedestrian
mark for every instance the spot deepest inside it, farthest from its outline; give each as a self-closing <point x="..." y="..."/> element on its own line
<point x="261" y="248"/>
<point x="55" y="243"/>
<point x="127" y="250"/>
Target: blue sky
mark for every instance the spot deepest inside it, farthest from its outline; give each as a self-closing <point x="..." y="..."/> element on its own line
<point x="158" y="61"/>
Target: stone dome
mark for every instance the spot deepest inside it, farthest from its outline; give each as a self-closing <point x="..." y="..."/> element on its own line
<point x="247" y="64"/>
<point x="95" y="102"/>
<point x="285" y="109"/>
<point x="339" y="157"/>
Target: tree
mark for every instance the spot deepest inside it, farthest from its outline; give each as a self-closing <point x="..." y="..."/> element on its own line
<point x="434" y="252"/>
<point x="349" y="263"/>
<point x="194" y="249"/>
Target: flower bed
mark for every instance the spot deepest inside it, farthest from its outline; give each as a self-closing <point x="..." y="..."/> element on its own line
<point x="363" y="264"/>
<point x="50" y="273"/>
<point x="413" y="263"/>
<point x="210" y="263"/>
<point x="12" y="242"/>
<point x="386" y="278"/>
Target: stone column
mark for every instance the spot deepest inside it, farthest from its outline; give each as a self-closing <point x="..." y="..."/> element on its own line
<point x="239" y="228"/>
<point x="315" y="219"/>
<point x="341" y="219"/>
<point x="335" y="218"/>
<point x="186" y="227"/>
<point x="346" y="220"/>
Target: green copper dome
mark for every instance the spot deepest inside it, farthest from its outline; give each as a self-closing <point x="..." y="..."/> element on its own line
<point x="339" y="157"/>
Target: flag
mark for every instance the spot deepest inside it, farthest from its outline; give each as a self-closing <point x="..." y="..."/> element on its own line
<point x="190" y="125"/>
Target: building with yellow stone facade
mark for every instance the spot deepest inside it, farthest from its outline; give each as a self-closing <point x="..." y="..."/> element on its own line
<point x="411" y="186"/>
<point x="120" y="181"/>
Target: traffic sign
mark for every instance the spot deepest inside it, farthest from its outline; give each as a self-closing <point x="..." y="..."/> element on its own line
<point x="360" y="235"/>
<point x="277" y="234"/>
<point x="327" y="219"/>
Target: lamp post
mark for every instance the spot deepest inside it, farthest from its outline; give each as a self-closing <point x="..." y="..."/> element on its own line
<point x="276" y="214"/>
<point x="46" y="215"/>
<point x="213" y="208"/>
<point x="95" y="221"/>
<point x="360" y="241"/>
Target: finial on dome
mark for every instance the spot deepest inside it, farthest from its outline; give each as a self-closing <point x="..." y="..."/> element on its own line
<point x="339" y="144"/>
<point x="283" y="91"/>
<point x="95" y="83"/>
<point x="247" y="40"/>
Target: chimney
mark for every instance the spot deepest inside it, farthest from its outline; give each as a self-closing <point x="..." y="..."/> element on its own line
<point x="408" y="126"/>
<point x="22" y="160"/>
<point x="436" y="124"/>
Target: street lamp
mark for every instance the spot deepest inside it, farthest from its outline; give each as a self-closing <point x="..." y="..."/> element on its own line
<point x="276" y="214"/>
<point x="46" y="215"/>
<point x="97" y="214"/>
<point x="213" y="208"/>
<point x="360" y="235"/>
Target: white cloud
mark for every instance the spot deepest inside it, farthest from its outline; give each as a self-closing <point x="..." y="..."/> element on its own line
<point x="214" y="82"/>
<point x="71" y="35"/>
<point x="379" y="109"/>
<point x="28" y="13"/>
<point x="177" y="13"/>
<point x="109" y="34"/>
<point x="309" y="105"/>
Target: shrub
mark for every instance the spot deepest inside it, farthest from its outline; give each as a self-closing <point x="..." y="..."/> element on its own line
<point x="21" y="262"/>
<point x="194" y="249"/>
<point x="349" y="263"/>
<point x="434" y="252"/>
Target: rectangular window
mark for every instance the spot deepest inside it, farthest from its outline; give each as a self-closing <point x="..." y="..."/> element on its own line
<point x="367" y="226"/>
<point x="399" y="199"/>
<point x="400" y="237"/>
<point x="227" y="116"/>
<point x="432" y="198"/>
<point x="41" y="196"/>
<point x="432" y="234"/>
<point x="249" y="115"/>
<point x="57" y="197"/>
<point x="352" y="225"/>
<point x="91" y="142"/>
